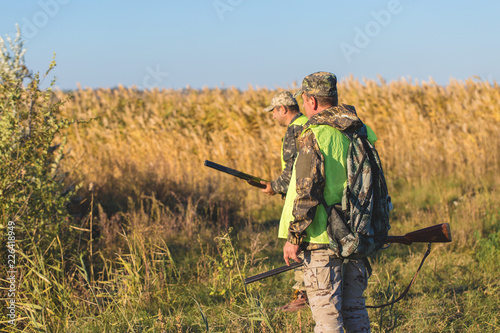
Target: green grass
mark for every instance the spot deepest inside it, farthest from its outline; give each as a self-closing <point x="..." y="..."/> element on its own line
<point x="176" y="283"/>
<point x="148" y="277"/>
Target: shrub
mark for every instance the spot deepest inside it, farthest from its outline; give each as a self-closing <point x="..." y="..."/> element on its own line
<point x="32" y="191"/>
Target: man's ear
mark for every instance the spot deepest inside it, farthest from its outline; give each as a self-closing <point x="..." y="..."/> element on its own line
<point x="315" y="103"/>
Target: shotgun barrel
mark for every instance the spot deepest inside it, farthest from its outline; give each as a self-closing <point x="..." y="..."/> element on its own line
<point x="273" y="272"/>
<point x="252" y="180"/>
<point x="440" y="233"/>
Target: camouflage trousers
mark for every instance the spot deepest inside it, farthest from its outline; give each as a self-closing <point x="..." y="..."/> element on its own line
<point x="336" y="307"/>
<point x="299" y="276"/>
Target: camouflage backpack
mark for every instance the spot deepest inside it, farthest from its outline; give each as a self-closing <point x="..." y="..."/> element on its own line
<point x="358" y="226"/>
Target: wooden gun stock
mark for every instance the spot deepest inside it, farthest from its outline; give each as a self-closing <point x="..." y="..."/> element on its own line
<point x="440" y="233"/>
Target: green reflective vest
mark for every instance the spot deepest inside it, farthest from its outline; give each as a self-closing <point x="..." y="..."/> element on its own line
<point x="334" y="146"/>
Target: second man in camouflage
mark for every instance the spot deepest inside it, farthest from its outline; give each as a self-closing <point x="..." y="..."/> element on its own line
<point x="287" y="113"/>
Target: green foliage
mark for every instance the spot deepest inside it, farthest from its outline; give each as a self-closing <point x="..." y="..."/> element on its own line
<point x="31" y="148"/>
<point x="32" y="191"/>
<point x="12" y="66"/>
<point x="488" y="252"/>
<point x="227" y="274"/>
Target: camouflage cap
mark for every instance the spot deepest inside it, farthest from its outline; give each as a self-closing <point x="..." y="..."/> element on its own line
<point x="319" y="84"/>
<point x="282" y="98"/>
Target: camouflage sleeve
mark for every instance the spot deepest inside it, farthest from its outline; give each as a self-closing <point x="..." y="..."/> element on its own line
<point x="280" y="185"/>
<point x="310" y="172"/>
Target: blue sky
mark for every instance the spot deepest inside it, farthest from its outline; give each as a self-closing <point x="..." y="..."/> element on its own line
<point x="271" y="44"/>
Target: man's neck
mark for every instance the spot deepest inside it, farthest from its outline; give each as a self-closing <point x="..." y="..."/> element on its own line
<point x="320" y="109"/>
<point x="292" y="117"/>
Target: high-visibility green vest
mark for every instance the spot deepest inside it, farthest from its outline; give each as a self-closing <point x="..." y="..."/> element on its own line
<point x="300" y="121"/>
<point x="334" y="146"/>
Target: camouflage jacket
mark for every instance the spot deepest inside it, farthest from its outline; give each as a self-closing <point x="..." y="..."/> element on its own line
<point x="280" y="185"/>
<point x="310" y="170"/>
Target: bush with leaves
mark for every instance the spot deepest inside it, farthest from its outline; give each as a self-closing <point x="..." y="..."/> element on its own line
<point x="32" y="191"/>
<point x="31" y="147"/>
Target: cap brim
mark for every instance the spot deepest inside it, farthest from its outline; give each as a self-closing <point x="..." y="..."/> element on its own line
<point x="298" y="93"/>
<point x="269" y="108"/>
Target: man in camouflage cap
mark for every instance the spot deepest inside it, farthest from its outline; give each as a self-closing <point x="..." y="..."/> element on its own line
<point x="287" y="113"/>
<point x="320" y="84"/>
<point x="334" y="287"/>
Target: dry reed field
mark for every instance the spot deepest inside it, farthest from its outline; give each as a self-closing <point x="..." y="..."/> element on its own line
<point x="424" y="130"/>
<point x="155" y="142"/>
<point x="160" y="243"/>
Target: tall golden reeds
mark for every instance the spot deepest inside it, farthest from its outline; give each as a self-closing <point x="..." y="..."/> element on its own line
<point x="156" y="141"/>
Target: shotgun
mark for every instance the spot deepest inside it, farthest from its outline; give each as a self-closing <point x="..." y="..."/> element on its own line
<point x="254" y="181"/>
<point x="439" y="233"/>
